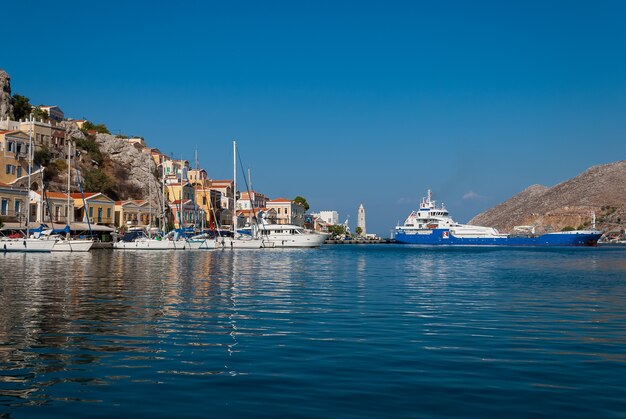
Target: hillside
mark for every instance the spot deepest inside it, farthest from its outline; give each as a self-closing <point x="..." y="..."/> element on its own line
<point x="600" y="189"/>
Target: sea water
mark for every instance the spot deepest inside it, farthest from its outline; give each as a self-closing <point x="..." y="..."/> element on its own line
<point x="341" y="331"/>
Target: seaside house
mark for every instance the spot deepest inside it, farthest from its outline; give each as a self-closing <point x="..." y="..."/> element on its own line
<point x="210" y="201"/>
<point x="135" y="213"/>
<point x="13" y="204"/>
<point x="253" y="199"/>
<point x="13" y="155"/>
<point x="187" y="211"/>
<point x="225" y="188"/>
<point x="53" y="209"/>
<point x="97" y="206"/>
<point x="287" y="211"/>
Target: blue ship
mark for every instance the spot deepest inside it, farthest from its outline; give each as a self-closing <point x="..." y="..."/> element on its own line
<point x="434" y="226"/>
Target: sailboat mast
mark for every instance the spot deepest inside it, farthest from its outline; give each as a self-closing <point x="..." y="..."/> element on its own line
<point x="234" y="187"/>
<point x="69" y="179"/>
<point x="30" y="169"/>
<point x="149" y="199"/>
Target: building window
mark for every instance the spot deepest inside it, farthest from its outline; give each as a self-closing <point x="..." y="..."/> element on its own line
<point x="108" y="212"/>
<point x="18" y="207"/>
<point x="4" y="209"/>
<point x="10" y="169"/>
<point x="19" y="171"/>
<point x="90" y="212"/>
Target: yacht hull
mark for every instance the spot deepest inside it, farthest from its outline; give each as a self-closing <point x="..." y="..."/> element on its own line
<point x="26" y="245"/>
<point x="72" y="246"/>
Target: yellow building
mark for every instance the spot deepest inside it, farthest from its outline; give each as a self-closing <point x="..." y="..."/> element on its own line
<point x="13" y="203"/>
<point x="287" y="211"/>
<point x="135" y="213"/>
<point x="13" y="155"/>
<point x="97" y="206"/>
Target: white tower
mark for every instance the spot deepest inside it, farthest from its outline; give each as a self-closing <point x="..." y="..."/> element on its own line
<point x="361" y="220"/>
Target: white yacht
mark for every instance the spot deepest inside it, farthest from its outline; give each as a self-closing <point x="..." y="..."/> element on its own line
<point x="138" y="240"/>
<point x="285" y="235"/>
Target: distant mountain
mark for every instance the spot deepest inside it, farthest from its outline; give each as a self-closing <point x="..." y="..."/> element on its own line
<point x="600" y="190"/>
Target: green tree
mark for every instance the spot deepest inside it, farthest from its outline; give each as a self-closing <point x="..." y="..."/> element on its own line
<point x="91" y="147"/>
<point x="358" y="231"/>
<point x="40" y="114"/>
<point x="568" y="228"/>
<point x="337" y="231"/>
<point x="98" y="181"/>
<point x="21" y="107"/>
<point x="302" y="201"/>
<point x="99" y="128"/>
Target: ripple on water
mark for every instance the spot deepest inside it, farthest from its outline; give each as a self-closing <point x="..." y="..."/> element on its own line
<point x="343" y="331"/>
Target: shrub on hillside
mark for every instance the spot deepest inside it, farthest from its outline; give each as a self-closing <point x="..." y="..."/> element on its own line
<point x="90" y="146"/>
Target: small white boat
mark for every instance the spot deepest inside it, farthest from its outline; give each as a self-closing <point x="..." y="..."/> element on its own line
<point x="26" y="244"/>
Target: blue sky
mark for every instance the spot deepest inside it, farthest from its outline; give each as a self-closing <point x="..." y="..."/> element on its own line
<point x="344" y="102"/>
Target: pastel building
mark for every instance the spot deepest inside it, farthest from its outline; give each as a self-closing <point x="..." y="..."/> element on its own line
<point x="55" y="208"/>
<point x="253" y="199"/>
<point x="54" y="112"/>
<point x="328" y="217"/>
<point x="136" y="213"/>
<point x="14" y="155"/>
<point x="287" y="211"/>
<point x="99" y="208"/>
<point x="13" y="203"/>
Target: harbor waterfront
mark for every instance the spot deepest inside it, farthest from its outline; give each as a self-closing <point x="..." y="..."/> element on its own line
<point x="351" y="331"/>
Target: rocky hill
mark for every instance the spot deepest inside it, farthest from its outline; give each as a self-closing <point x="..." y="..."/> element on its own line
<point x="600" y="190"/>
<point x="6" y="108"/>
<point x="124" y="170"/>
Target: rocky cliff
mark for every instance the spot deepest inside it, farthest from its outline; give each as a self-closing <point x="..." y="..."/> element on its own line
<point x="600" y="190"/>
<point x="131" y="171"/>
<point x="6" y="108"/>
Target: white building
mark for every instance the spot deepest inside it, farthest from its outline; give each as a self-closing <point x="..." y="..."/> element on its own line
<point x="329" y="217"/>
<point x="361" y="220"/>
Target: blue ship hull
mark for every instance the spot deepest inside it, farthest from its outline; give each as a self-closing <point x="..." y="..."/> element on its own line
<point x="445" y="237"/>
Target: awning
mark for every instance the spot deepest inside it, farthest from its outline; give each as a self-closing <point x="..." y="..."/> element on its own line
<point x="94" y="227"/>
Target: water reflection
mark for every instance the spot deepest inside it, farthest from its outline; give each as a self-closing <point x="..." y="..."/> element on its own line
<point x="109" y="327"/>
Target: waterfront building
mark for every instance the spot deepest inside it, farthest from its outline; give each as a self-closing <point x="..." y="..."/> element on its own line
<point x="53" y="209"/>
<point x="13" y="203"/>
<point x="225" y="188"/>
<point x="328" y="217"/>
<point x="287" y="211"/>
<point x="99" y="208"/>
<point x="315" y="222"/>
<point x="175" y="170"/>
<point x="187" y="211"/>
<point x="360" y="222"/>
<point x="210" y="201"/>
<point x="253" y="199"/>
<point x="135" y="213"/>
<point x="179" y="191"/>
<point x="14" y="146"/>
